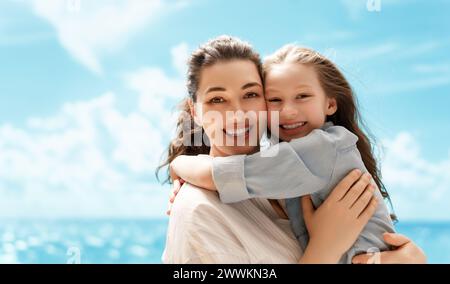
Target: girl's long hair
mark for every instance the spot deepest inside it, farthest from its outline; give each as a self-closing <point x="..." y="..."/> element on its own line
<point x="336" y="86"/>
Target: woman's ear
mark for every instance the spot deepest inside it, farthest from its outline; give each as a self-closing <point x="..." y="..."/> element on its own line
<point x="194" y="113"/>
<point x="331" y="106"/>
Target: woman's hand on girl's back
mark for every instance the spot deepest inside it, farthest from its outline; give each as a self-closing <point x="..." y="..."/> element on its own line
<point x="406" y="252"/>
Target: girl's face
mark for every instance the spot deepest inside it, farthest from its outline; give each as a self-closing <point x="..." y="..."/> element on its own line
<point x="226" y="91"/>
<point x="294" y="91"/>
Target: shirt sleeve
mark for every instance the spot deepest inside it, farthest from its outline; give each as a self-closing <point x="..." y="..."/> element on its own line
<point x="302" y="166"/>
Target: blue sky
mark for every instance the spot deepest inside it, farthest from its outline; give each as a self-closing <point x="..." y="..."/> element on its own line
<point x="87" y="94"/>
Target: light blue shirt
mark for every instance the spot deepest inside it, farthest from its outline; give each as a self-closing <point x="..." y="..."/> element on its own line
<point x="314" y="165"/>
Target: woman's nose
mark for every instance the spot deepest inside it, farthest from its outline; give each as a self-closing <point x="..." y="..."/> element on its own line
<point x="236" y="111"/>
<point x="239" y="114"/>
<point x="236" y="117"/>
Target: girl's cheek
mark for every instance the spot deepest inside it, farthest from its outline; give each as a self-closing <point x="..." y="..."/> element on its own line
<point x="273" y="118"/>
<point x="271" y="109"/>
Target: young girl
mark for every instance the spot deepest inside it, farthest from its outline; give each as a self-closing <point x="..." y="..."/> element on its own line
<point x="319" y="121"/>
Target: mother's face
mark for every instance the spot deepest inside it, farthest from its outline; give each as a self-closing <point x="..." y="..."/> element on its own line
<point x="231" y="107"/>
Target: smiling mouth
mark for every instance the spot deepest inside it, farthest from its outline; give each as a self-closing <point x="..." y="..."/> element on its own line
<point x="238" y="132"/>
<point x="293" y="125"/>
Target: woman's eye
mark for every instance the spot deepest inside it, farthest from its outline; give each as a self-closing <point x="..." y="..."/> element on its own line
<point x="274" y="100"/>
<point x="251" y="95"/>
<point x="216" y="100"/>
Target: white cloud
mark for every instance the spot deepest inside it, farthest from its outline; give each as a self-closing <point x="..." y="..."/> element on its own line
<point x="420" y="189"/>
<point x="158" y="93"/>
<point x="78" y="161"/>
<point x="92" y="159"/>
<point x="99" y="26"/>
<point x="180" y="55"/>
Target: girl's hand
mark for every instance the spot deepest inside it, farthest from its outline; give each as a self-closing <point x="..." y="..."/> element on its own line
<point x="406" y="252"/>
<point x="337" y="223"/>
<point x="177" y="183"/>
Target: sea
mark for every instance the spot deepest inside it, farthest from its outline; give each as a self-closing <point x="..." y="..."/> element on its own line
<point x="111" y="241"/>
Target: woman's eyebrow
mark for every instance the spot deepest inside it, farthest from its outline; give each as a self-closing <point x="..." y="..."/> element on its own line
<point x="215" y="89"/>
<point x="222" y="89"/>
<point x="249" y="85"/>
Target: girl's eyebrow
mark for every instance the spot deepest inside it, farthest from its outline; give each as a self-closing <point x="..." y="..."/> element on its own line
<point x="272" y="90"/>
<point x="297" y="88"/>
<point x="302" y="87"/>
<point x="251" y="84"/>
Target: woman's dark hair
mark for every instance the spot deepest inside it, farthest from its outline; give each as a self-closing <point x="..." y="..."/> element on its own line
<point x="220" y="49"/>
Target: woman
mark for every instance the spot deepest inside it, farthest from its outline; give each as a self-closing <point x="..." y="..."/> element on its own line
<point x="203" y="230"/>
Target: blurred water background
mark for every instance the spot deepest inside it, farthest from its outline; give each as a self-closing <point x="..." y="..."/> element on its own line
<point x="141" y="240"/>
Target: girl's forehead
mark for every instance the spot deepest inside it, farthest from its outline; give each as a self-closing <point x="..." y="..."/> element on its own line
<point x="290" y="69"/>
<point x="290" y="75"/>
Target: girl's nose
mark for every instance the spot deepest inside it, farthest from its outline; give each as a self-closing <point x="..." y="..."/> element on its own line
<point x="288" y="112"/>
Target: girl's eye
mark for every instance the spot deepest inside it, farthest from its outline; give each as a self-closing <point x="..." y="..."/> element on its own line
<point x="303" y="96"/>
<point x="274" y="100"/>
<point x="216" y="100"/>
<point x="251" y="95"/>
